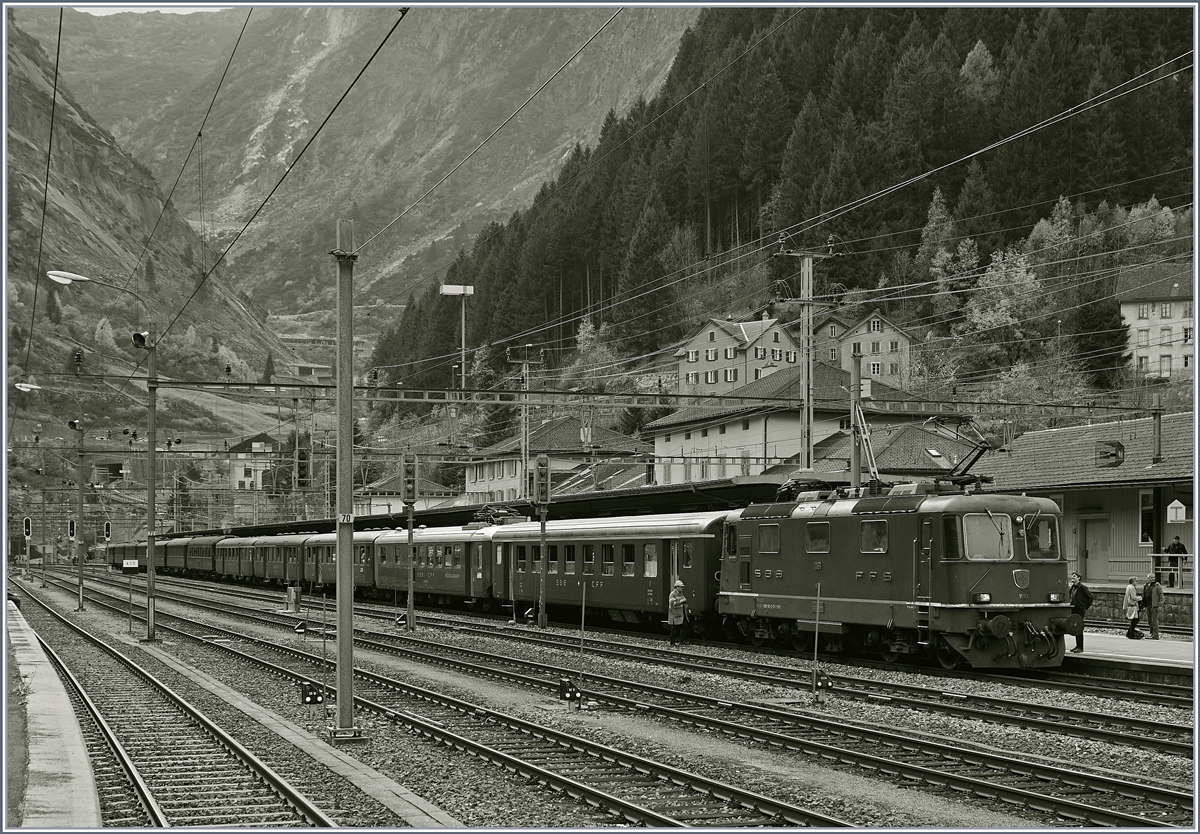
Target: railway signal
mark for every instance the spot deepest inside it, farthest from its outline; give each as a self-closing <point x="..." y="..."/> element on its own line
<point x="71" y="529"/>
<point x="408" y="480"/>
<point x="28" y="524"/>
<point x="311" y="695"/>
<point x="541" y="480"/>
<point x="107" y="530"/>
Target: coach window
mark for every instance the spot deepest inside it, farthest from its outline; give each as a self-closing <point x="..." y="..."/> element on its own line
<point x="458" y="555"/>
<point x="537" y="558"/>
<point x="628" y="561"/>
<point x="589" y="559"/>
<point x="816" y="537"/>
<point x="520" y="558"/>
<point x="873" y="536"/>
<point x="685" y="559"/>
<point x="768" y="538"/>
<point x="989" y="536"/>
<point x="569" y="558"/>
<point x="552" y="554"/>
<point x="650" y="560"/>
<point x="383" y="552"/>
<point x="607" y="554"/>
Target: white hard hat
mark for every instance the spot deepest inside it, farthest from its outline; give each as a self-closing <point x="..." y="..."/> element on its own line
<point x="678" y="583"/>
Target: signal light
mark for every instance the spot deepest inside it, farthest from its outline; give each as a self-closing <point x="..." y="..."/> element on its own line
<point x="107" y="530"/>
<point x="28" y="524"/>
<point x="541" y="480"/>
<point x="71" y="529"/>
<point x="302" y="468"/>
<point x="75" y="425"/>
<point x="141" y="339"/>
<point x="311" y="694"/>
<point x="408" y="478"/>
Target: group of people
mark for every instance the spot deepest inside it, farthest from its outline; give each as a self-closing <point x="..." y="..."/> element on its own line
<point x="1148" y="598"/>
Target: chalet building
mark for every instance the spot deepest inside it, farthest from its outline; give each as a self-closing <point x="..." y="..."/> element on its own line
<point x="568" y="441"/>
<point x="697" y="444"/>
<point x="1125" y="489"/>
<point x="251" y="460"/>
<point x="1156" y="304"/>
<point x="723" y="355"/>
<point x="837" y="334"/>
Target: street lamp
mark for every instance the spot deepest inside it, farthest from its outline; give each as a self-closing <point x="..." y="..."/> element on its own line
<point x="143" y="340"/>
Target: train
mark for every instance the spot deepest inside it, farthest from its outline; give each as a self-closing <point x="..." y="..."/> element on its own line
<point x="921" y="571"/>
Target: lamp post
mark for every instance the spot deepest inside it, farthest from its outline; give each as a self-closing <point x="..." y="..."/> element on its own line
<point x="461" y="290"/>
<point x="145" y="341"/>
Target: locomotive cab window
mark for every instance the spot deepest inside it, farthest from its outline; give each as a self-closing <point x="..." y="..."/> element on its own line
<point x="951" y="537"/>
<point x="768" y="538"/>
<point x="873" y="536"/>
<point x="1041" y="536"/>
<point x="989" y="536"/>
<point x="816" y="537"/>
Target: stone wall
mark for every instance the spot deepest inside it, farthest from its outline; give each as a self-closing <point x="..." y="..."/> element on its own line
<point x="1107" y="605"/>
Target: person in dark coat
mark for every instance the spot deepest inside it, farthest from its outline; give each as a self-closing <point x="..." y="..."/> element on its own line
<point x="1152" y="596"/>
<point x="676" y="611"/>
<point x="1133" y="611"/>
<point x="1176" y="547"/>
<point x="1081" y="601"/>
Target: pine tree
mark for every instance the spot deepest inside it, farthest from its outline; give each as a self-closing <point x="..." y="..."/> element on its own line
<point x="268" y="369"/>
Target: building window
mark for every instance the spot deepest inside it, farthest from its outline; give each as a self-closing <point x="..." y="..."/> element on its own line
<point x="776" y="355"/>
<point x="775" y="337"/>
<point x="710" y="377"/>
<point x="1164" y="366"/>
<point x="1143" y="311"/>
<point x="895" y="369"/>
<point x="692" y="378"/>
<point x="876" y="368"/>
<point x="1187" y="309"/>
<point x="1164" y="311"/>
<point x="710" y="355"/>
<point x="1187" y="360"/>
<point x="721" y="430"/>
<point x="1147" y="517"/>
<point x="790" y="355"/>
<point x="712" y="335"/>
<point x="876" y="326"/>
<point x="1143" y="363"/>
<point x="687" y="435"/>
<point x="760" y="353"/>
<point x="1164" y="335"/>
<point x="893" y="346"/>
<point x="833" y="356"/>
<point x="704" y="432"/>
<point x="875" y="347"/>
<point x="746" y="425"/>
<point x="731" y="374"/>
<point x="730" y="353"/>
<point x="1187" y="335"/>
<point x="833" y="331"/>
<point x="757" y="373"/>
<point x="856" y="348"/>
<point x="1143" y="337"/>
<point x="693" y="356"/>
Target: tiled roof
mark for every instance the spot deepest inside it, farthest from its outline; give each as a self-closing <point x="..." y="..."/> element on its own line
<point x="1067" y="458"/>
<point x="603" y="476"/>
<point x="831" y="388"/>
<point x="1170" y="280"/>
<point x="561" y="434"/>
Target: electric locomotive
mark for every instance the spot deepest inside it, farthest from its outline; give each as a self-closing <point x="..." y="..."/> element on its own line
<point x="922" y="571"/>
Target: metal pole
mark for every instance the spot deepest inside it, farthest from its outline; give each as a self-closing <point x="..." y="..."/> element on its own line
<point x="855" y="428"/>
<point x="542" y="620"/>
<point x="582" y="625"/>
<point x="43" y="526"/>
<point x="462" y="362"/>
<point x="80" y="545"/>
<point x="806" y="294"/>
<point x="151" y="485"/>
<point x="409" y="624"/>
<point x="816" y="635"/>
<point x="345" y="485"/>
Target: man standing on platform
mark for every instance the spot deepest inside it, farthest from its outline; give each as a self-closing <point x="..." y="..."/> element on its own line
<point x="1081" y="601"/>
<point x="1152" y="594"/>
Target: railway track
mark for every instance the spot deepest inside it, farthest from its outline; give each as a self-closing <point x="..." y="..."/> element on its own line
<point x="1077" y="795"/>
<point x="184" y="769"/>
<point x="1116" y="729"/>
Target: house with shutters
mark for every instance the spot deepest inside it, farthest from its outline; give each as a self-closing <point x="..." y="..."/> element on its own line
<point x="702" y="442"/>
<point x="1156" y="303"/>
<point x="886" y="348"/>
<point x="723" y="355"/>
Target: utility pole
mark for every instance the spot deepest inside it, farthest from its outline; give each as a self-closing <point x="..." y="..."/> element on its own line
<point x="806" y="338"/>
<point x="345" y="729"/>
<point x="855" y="429"/>
<point x="524" y="361"/>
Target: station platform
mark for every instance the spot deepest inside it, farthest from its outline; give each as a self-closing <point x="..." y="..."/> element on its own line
<point x="53" y="770"/>
<point x="1168" y="660"/>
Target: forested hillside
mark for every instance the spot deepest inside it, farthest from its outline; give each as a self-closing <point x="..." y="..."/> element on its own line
<point x="978" y="174"/>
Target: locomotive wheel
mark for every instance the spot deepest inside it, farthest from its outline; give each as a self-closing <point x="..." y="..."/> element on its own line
<point x="888" y="653"/>
<point x="947" y="656"/>
<point x="800" y="640"/>
<point x="755" y="640"/>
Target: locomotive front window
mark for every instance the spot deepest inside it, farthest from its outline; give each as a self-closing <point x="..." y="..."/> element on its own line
<point x="606" y="560"/>
<point x="569" y="555"/>
<point x="816" y="537"/>
<point x="650" y="560"/>
<point x="685" y="559"/>
<point x="1041" y="536"/>
<point x="951" y="537"/>
<point x="628" y="561"/>
<point x="989" y="536"/>
<point x="589" y="559"/>
<point x="768" y="538"/>
<point x="873" y="536"/>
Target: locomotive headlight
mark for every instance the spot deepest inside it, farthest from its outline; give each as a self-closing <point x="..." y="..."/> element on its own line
<point x="1056" y="596"/>
<point x="981" y="599"/>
